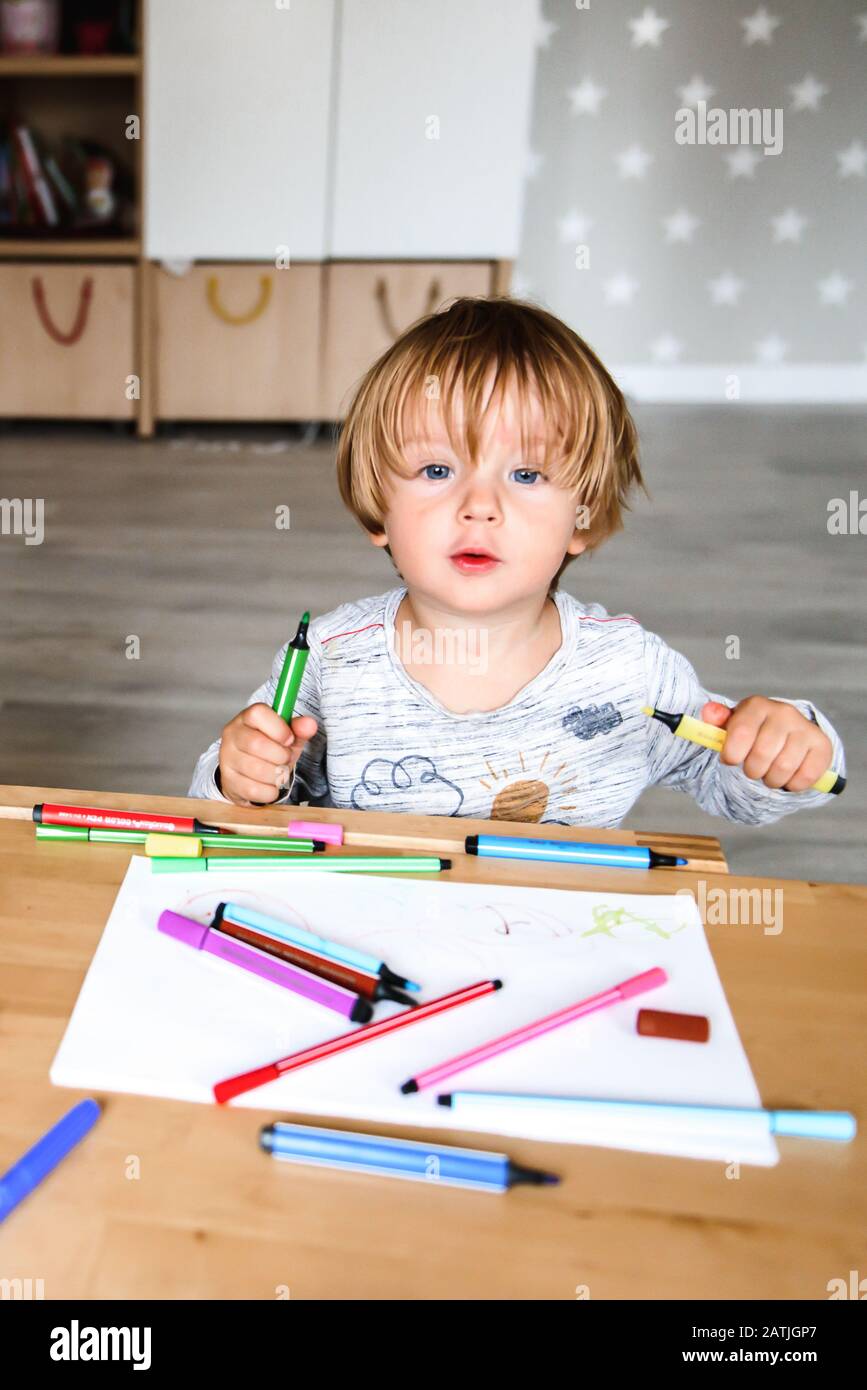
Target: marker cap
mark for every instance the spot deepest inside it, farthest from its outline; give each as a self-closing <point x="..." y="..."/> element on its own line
<point x="316" y="830"/>
<point x="182" y="929"/>
<point x="175" y="846"/>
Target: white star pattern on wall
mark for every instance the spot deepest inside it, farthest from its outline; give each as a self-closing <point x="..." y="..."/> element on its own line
<point x="835" y="289"/>
<point x="666" y="348"/>
<point x="714" y="240"/>
<point x="680" y="226"/>
<point x="852" y="160"/>
<point x="696" y="90"/>
<point x="770" y="351"/>
<point x="574" y="226"/>
<point x="586" y="97"/>
<point x="620" y="289"/>
<point x="633" y="162"/>
<point x="788" y="226"/>
<point x="648" y="28"/>
<point x="544" y="32"/>
<point x="726" y="289"/>
<point x="742" y="163"/>
<point x="807" y="94"/>
<point x="759" y="27"/>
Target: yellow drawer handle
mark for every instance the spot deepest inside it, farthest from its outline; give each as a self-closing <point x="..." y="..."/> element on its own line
<point x="434" y="295"/>
<point x="236" y="320"/>
<point x="85" y="295"/>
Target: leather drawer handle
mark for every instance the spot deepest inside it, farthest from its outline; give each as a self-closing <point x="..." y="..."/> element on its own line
<point x="434" y="295"/>
<point x="85" y="297"/>
<point x="237" y="320"/>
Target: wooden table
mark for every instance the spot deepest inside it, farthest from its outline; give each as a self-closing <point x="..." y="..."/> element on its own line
<point x="211" y="1217"/>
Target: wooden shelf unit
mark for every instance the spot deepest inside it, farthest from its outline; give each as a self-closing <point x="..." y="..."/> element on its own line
<point x="57" y="88"/>
<point x="71" y="65"/>
<point x="81" y="248"/>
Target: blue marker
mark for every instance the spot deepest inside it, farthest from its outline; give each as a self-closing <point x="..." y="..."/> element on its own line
<point x="804" y="1124"/>
<point x="285" y="931"/>
<point x="570" y="852"/>
<point x="397" y="1158"/>
<point x="45" y="1155"/>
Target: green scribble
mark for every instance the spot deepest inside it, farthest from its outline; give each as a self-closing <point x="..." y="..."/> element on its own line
<point x="607" y="918"/>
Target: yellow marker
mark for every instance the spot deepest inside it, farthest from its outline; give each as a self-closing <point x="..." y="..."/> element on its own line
<point x="710" y="736"/>
<point x="177" y="846"/>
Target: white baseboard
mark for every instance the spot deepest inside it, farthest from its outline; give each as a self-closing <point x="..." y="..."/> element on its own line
<point x="808" y="384"/>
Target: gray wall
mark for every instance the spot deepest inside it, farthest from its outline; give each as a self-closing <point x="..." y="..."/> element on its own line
<point x="672" y="320"/>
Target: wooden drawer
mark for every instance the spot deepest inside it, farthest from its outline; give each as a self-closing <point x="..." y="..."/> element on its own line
<point x="369" y="304"/>
<point x="238" y="342"/>
<point x="66" y="340"/>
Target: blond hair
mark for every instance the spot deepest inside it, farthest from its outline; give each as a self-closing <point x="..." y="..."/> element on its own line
<point x="591" y="445"/>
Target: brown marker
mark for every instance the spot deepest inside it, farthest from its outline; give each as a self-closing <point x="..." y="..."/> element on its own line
<point x="656" y="1023"/>
<point x="368" y="986"/>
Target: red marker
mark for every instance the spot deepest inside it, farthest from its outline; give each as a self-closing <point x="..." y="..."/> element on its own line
<point x="47" y="813"/>
<point x="249" y="1080"/>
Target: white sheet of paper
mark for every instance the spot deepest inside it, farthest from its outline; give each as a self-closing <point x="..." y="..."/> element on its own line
<point x="155" y="1017"/>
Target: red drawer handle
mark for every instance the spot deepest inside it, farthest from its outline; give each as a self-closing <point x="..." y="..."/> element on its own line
<point x="80" y="323"/>
<point x="434" y="295"/>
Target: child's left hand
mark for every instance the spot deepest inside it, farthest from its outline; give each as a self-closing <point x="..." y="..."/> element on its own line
<point x="774" y="741"/>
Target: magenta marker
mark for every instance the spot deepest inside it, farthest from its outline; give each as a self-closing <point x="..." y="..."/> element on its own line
<point x="267" y="967"/>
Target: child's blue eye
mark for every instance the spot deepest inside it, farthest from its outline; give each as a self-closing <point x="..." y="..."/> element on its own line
<point x="536" y="473"/>
<point x="434" y="465"/>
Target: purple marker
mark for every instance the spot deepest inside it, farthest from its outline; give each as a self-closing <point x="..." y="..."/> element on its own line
<point x="267" y="967"/>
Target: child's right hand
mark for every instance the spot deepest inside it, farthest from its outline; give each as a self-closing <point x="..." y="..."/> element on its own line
<point x="258" y="750"/>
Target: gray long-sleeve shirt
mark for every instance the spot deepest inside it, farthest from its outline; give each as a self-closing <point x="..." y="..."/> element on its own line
<point x="572" y="747"/>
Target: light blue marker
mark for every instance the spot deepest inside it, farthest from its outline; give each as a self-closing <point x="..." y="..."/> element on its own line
<point x="570" y="852"/>
<point x="45" y="1155"/>
<point x="804" y="1124"/>
<point x="397" y="1158"/>
<point x="285" y="931"/>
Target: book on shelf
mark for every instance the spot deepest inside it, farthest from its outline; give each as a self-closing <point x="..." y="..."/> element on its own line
<point x="41" y="196"/>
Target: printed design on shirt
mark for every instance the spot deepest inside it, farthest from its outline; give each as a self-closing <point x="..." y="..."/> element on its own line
<point x="527" y="797"/>
<point x="595" y="719"/>
<point x="384" y="784"/>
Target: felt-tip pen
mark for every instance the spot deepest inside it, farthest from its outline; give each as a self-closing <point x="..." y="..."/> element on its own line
<point x="711" y="736"/>
<point x="398" y="1158"/>
<point x="570" y="852"/>
<point x="294" y="662"/>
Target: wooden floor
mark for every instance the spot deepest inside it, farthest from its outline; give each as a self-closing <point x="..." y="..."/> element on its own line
<point x="174" y="542"/>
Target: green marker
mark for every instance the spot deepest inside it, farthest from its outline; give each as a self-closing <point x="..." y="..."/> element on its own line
<point x="278" y="843"/>
<point x="337" y="863"/>
<point x="293" y="669"/>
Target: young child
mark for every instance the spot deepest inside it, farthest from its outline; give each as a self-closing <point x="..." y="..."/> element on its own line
<point x="477" y="687"/>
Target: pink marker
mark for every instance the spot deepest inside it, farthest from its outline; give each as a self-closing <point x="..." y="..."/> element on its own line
<point x="267" y="967"/>
<point x="648" y="979"/>
<point x="316" y="830"/>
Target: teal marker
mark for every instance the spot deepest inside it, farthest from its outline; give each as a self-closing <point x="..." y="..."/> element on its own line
<point x="293" y="669"/>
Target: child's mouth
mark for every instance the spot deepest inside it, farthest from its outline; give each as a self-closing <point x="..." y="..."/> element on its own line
<point x="473" y="562"/>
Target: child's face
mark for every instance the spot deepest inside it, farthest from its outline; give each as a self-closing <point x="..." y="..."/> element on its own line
<point x="504" y="506"/>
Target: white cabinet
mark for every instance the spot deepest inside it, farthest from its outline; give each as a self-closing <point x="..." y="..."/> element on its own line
<point x="237" y="104"/>
<point x="344" y="129"/>
<point x="402" y="66"/>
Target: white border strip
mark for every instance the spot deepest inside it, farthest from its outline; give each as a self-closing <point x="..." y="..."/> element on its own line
<point x="808" y="383"/>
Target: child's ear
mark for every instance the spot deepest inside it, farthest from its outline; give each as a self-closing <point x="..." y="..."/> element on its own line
<point x="378" y="538"/>
<point x="577" y="542"/>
